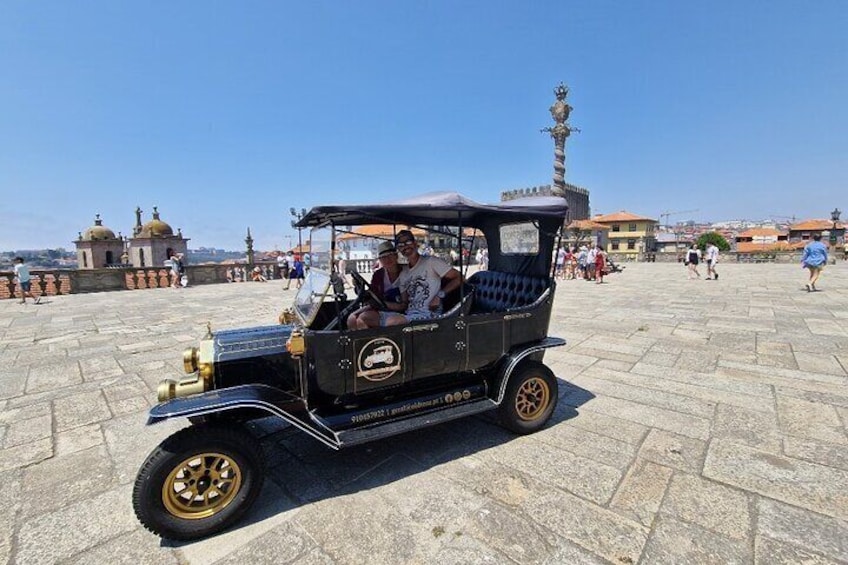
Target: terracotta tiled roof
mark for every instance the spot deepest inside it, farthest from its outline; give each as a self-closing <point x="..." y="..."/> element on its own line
<point x="761" y="232"/>
<point x="752" y="247"/>
<point x="622" y="216"/>
<point x="587" y="225"/>
<point x="379" y="230"/>
<point x="815" y="225"/>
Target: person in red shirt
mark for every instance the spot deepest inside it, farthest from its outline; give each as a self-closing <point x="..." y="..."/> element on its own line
<point x="600" y="265"/>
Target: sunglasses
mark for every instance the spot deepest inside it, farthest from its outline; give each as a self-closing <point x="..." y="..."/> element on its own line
<point x="403" y="242"/>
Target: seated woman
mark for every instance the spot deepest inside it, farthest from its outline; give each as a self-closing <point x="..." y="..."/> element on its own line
<point x="384" y="283"/>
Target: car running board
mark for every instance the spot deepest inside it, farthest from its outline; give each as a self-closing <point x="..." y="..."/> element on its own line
<point x="356" y="436"/>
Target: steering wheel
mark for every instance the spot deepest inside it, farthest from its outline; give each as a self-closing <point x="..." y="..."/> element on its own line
<point x="364" y="290"/>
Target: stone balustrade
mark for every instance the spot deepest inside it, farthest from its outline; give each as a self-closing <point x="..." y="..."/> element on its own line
<point x="44" y="283"/>
<point x="53" y="282"/>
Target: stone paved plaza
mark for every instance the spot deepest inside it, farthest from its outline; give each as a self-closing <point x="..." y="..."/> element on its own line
<point x="699" y="422"/>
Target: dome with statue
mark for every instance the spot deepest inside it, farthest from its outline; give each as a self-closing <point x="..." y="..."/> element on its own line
<point x="156" y="227"/>
<point x="97" y="232"/>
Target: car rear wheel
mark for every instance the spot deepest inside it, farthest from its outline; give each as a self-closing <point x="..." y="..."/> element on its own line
<point x="198" y="481"/>
<point x="530" y="398"/>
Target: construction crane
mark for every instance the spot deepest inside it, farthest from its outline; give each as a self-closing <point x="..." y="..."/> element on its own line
<point x="668" y="213"/>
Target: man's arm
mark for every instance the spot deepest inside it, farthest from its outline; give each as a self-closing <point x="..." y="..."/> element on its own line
<point x="454" y="280"/>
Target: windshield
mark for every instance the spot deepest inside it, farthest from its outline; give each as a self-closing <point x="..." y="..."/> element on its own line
<point x="319" y="249"/>
<point x="316" y="261"/>
<point x="309" y="298"/>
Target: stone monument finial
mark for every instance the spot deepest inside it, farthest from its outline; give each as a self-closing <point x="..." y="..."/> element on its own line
<point x="561" y="91"/>
<point x="97" y="220"/>
<point x="137" y="228"/>
<point x="560" y="111"/>
<point x="249" y="242"/>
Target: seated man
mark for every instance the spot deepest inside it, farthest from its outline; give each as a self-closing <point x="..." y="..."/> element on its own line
<point x="421" y="283"/>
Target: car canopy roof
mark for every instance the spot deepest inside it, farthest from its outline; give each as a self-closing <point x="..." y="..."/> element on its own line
<point x="453" y="209"/>
<point x="438" y="208"/>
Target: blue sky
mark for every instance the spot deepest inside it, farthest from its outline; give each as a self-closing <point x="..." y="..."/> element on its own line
<point x="226" y="114"/>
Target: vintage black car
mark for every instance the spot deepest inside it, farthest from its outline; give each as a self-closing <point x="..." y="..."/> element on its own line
<point x="346" y="387"/>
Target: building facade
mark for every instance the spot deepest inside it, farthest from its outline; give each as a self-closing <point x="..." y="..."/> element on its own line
<point x="98" y="247"/>
<point x="629" y="234"/>
<point x="154" y="242"/>
<point x="150" y="246"/>
<point x="802" y="233"/>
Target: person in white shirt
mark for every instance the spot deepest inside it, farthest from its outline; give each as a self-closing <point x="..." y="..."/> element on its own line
<point x="590" y="263"/>
<point x="712" y="259"/>
<point x="421" y="283"/>
<point x="560" y="262"/>
<point x="24" y="280"/>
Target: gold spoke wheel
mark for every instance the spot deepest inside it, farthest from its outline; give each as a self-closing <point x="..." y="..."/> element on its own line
<point x="532" y="398"/>
<point x="201" y="486"/>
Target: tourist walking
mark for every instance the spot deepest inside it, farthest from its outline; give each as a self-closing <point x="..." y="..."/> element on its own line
<point x="591" y="255"/>
<point x="814" y="259"/>
<point x="296" y="272"/>
<point x="177" y="269"/>
<point x="24" y="280"/>
<point x="712" y="259"/>
<point x="484" y="259"/>
<point x="600" y="264"/>
<point x="693" y="257"/>
<point x="560" y="263"/>
<point x="581" y="261"/>
<point x="570" y="264"/>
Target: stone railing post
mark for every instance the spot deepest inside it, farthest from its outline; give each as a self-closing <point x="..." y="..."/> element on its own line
<point x="9" y="283"/>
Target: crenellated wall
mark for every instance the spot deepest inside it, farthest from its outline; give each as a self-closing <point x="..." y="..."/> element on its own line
<point x="577" y="197"/>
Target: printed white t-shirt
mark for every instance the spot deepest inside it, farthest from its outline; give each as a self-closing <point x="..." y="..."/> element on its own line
<point x="421" y="283"/>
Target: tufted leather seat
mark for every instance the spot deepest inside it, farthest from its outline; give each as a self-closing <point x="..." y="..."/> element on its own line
<point x="497" y="292"/>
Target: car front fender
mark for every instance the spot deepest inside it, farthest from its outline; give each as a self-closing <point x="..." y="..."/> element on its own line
<point x="517" y="355"/>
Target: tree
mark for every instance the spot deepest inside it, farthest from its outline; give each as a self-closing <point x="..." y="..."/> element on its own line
<point x="715" y="238"/>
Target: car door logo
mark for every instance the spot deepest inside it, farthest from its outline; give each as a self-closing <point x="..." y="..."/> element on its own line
<point x="378" y="360"/>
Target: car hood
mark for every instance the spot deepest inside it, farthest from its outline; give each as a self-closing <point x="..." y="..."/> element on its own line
<point x="250" y="342"/>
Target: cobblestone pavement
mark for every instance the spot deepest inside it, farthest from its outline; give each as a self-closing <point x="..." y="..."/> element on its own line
<point x="699" y="422"/>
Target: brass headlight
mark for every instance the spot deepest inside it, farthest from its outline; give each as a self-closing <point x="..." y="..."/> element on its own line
<point x="200" y="364"/>
<point x="190" y="359"/>
<point x="296" y="344"/>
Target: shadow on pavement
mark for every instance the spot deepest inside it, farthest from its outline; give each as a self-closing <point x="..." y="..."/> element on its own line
<point x="301" y="471"/>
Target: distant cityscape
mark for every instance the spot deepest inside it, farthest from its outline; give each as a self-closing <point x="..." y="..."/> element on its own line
<point x="742" y="235"/>
<point x="61" y="258"/>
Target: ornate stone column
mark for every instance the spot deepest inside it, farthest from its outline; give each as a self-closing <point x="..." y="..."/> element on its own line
<point x="560" y="132"/>
<point x="249" y="242"/>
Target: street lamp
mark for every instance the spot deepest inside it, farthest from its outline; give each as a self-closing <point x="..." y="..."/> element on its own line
<point x="297" y="217"/>
<point x="835" y="217"/>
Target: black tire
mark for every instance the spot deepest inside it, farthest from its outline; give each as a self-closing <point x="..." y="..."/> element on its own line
<point x="530" y="399"/>
<point x="226" y="453"/>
